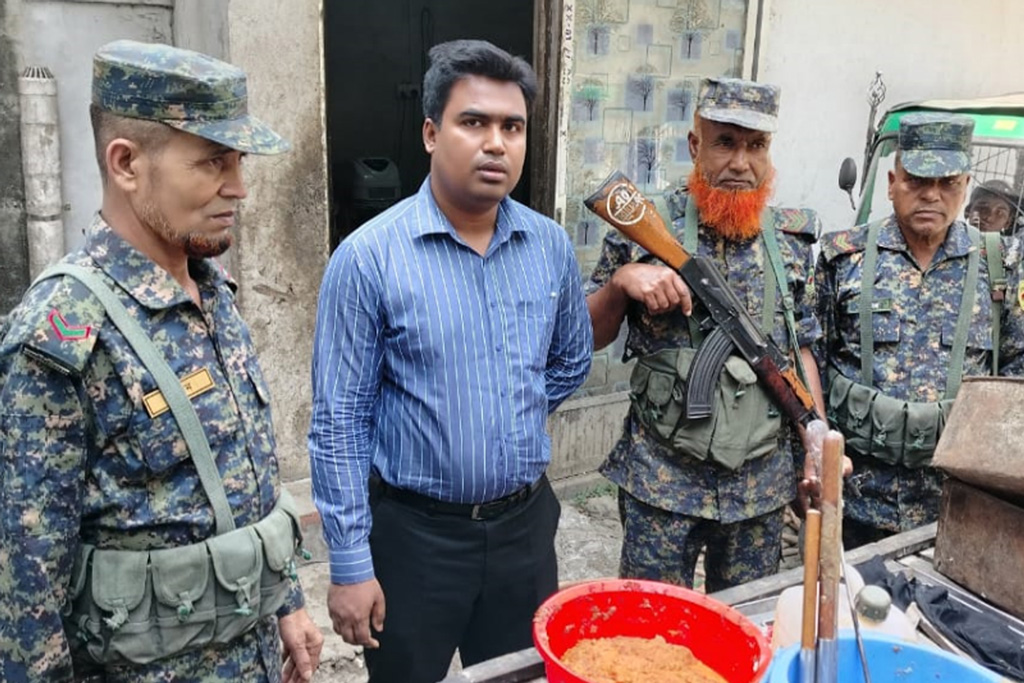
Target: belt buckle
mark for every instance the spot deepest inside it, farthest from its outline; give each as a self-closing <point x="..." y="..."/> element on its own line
<point x="475" y="513"/>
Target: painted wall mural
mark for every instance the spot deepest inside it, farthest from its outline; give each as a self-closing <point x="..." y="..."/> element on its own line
<point x="636" y="66"/>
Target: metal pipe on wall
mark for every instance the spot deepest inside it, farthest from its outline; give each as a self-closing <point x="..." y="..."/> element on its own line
<point x="40" y="155"/>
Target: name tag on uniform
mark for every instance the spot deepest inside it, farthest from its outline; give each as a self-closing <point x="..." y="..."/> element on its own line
<point x="194" y="384"/>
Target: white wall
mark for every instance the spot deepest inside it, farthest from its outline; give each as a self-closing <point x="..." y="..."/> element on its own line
<point x="824" y="54"/>
<point x="63" y="36"/>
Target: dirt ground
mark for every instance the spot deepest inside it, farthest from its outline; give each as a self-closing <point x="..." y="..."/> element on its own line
<point x="588" y="542"/>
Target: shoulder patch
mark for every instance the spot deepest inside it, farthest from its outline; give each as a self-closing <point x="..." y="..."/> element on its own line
<point x="842" y="242"/>
<point x="802" y="222"/>
<point x="58" y="324"/>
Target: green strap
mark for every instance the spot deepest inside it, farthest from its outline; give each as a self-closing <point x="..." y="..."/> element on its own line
<point x="997" y="286"/>
<point x="867" y="293"/>
<point x="963" y="320"/>
<point x="867" y="334"/>
<point x="771" y="243"/>
<point x="690" y="244"/>
<point x="168" y="383"/>
<point x="771" y="280"/>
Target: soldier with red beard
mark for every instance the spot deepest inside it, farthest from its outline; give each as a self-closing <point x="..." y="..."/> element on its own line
<point x="718" y="484"/>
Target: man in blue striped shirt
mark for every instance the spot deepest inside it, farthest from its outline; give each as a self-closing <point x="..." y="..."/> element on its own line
<point x="448" y="328"/>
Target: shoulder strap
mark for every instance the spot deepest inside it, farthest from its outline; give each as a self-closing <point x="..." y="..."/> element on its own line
<point x="963" y="320"/>
<point x="867" y="294"/>
<point x="771" y="243"/>
<point x="169" y="385"/>
<point x="691" y="245"/>
<point x="997" y="287"/>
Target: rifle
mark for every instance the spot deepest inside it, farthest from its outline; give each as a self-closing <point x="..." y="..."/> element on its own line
<point x="730" y="327"/>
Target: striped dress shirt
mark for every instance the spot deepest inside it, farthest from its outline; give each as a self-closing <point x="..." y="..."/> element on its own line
<point x="436" y="366"/>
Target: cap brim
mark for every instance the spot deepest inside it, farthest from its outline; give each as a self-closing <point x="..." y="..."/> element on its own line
<point x="742" y="117"/>
<point x="935" y="163"/>
<point x="246" y="134"/>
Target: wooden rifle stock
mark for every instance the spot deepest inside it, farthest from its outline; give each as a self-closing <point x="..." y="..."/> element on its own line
<point x="621" y="204"/>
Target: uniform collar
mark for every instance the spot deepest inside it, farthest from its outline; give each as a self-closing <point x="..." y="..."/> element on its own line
<point x="437" y="223"/>
<point x="956" y="245"/>
<point x="146" y="282"/>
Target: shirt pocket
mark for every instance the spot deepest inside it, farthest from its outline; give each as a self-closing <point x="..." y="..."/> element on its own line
<point x="885" y="321"/>
<point x="979" y="337"/>
<point x="160" y="443"/>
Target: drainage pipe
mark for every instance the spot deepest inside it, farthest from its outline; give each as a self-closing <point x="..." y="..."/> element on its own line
<point x="40" y="155"/>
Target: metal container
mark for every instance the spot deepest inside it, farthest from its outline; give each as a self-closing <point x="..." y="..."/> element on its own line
<point x="983" y="440"/>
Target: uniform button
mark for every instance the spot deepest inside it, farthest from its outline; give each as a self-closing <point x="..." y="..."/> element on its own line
<point x="498" y="348"/>
<point x="494" y="304"/>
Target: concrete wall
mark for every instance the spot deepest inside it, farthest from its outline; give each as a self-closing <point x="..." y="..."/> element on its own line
<point x="13" y="249"/>
<point x="282" y="245"/>
<point x="202" y="25"/>
<point x="63" y="36"/>
<point x="825" y="54"/>
<point x="583" y="431"/>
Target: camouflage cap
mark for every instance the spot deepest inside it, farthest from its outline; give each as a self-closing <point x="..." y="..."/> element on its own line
<point x="934" y="145"/>
<point x="186" y="90"/>
<point x="739" y="102"/>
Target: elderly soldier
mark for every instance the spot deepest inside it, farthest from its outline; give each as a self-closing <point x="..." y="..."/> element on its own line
<point x="720" y="483"/>
<point x="907" y="311"/>
<point x="144" y="534"/>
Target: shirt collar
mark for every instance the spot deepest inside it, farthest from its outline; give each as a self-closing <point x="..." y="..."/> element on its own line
<point x="956" y="245"/>
<point x="146" y="282"/>
<point x="434" y="222"/>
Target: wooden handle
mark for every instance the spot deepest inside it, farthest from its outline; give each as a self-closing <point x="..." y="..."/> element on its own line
<point x="831" y="534"/>
<point x="622" y="205"/>
<point x="812" y="549"/>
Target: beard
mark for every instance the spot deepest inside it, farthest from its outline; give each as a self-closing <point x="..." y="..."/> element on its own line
<point x="733" y="214"/>
<point x="194" y="243"/>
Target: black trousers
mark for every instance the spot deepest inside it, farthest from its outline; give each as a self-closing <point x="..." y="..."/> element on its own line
<point x="451" y="582"/>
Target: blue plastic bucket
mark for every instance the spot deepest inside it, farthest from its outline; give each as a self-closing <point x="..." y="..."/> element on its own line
<point x="889" y="661"/>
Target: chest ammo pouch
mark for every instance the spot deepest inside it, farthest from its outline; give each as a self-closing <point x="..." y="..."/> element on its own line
<point x="129" y="606"/>
<point x="744" y="423"/>
<point x="901" y="432"/>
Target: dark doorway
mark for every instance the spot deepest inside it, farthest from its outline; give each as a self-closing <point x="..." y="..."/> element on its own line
<point x="375" y="55"/>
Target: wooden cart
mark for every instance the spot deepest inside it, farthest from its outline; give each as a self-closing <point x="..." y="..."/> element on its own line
<point x="908" y="552"/>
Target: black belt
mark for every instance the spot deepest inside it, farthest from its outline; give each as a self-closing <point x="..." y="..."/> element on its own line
<point x="474" y="511"/>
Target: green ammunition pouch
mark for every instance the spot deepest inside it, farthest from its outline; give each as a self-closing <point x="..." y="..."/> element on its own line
<point x="894" y="431"/>
<point x="744" y="423"/>
<point x="138" y="606"/>
<point x="901" y="432"/>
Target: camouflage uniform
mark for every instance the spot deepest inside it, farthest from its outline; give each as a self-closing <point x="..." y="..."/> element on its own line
<point x="82" y="461"/>
<point x="666" y="497"/>
<point x="914" y="318"/>
<point x="1011" y="348"/>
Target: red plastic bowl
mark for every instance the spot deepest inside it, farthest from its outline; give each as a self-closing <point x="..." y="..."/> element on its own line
<point x="717" y="634"/>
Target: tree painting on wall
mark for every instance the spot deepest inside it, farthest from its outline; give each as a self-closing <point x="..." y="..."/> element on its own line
<point x="692" y="19"/>
<point x="646" y="159"/>
<point x="589" y="94"/>
<point x="640" y="87"/>
<point x="596" y="16"/>
<point x="679" y="101"/>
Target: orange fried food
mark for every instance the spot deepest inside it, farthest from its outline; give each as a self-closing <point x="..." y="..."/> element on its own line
<point x="636" y="660"/>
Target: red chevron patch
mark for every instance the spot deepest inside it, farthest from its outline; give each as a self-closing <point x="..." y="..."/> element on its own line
<point x="67" y="332"/>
